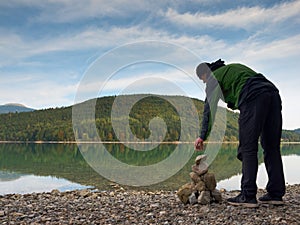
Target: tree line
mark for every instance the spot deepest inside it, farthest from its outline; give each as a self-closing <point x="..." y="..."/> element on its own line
<point x="55" y="124"/>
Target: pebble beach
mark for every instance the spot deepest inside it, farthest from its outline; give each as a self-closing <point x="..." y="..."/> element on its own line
<point x="121" y="206"/>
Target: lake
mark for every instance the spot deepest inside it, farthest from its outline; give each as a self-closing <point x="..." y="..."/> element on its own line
<point x="27" y="168"/>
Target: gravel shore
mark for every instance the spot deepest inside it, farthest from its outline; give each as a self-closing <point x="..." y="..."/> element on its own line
<point x="120" y="206"/>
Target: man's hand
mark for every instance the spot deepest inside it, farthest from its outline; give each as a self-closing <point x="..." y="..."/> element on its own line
<point x="199" y="144"/>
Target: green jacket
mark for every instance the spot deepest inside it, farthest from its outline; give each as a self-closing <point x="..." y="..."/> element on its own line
<point x="232" y="79"/>
<point x="225" y="83"/>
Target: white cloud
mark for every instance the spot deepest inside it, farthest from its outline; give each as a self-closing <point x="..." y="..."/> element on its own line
<point x="11" y="47"/>
<point x="171" y="82"/>
<point x="36" y="90"/>
<point x="69" y="11"/>
<point x="243" y="18"/>
<point x="257" y="52"/>
<point x="207" y="48"/>
<point x="15" y="49"/>
<point x="66" y="11"/>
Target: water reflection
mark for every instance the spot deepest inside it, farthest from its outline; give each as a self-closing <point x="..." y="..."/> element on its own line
<point x="31" y="183"/>
<point x="291" y="172"/>
<point x="8" y="176"/>
<point x="64" y="161"/>
<point x="137" y="168"/>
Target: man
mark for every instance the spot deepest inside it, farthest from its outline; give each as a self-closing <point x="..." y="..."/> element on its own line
<point x="259" y="104"/>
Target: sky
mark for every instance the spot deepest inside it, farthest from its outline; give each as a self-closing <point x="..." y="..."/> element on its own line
<point x="48" y="48"/>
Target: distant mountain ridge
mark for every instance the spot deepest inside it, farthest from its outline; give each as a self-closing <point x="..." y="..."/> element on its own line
<point x="14" y="107"/>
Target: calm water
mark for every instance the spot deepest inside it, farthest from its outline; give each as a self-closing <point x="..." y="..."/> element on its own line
<point x="27" y="168"/>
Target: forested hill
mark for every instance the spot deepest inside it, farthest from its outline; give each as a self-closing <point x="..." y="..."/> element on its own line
<point x="55" y="124"/>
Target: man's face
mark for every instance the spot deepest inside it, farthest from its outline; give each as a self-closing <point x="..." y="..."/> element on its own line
<point x="203" y="77"/>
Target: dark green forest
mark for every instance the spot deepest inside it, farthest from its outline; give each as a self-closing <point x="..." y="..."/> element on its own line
<point x="55" y="124"/>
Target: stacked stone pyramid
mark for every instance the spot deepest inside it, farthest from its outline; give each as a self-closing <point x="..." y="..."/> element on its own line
<point x="202" y="188"/>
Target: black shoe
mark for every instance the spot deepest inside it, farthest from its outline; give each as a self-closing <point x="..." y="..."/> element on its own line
<point x="269" y="199"/>
<point x="243" y="201"/>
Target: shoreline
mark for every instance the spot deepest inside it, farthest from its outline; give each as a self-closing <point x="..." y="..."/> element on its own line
<point x="127" y="142"/>
<point x="120" y="206"/>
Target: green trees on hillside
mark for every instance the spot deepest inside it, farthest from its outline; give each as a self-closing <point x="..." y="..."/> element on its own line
<point x="56" y="124"/>
<point x="42" y="125"/>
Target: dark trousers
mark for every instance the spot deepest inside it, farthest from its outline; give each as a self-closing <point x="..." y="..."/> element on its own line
<point x="262" y="118"/>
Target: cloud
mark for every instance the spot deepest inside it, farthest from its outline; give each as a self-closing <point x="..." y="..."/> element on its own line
<point x="276" y="49"/>
<point x="241" y="18"/>
<point x="36" y="90"/>
<point x="143" y="77"/>
<point x="12" y="47"/>
<point x="69" y="11"/>
<point x="134" y="12"/>
<point x="16" y="49"/>
<point x="66" y="11"/>
<point x="256" y="52"/>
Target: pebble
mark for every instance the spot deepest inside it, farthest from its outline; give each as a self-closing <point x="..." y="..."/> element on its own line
<point x="120" y="206"/>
